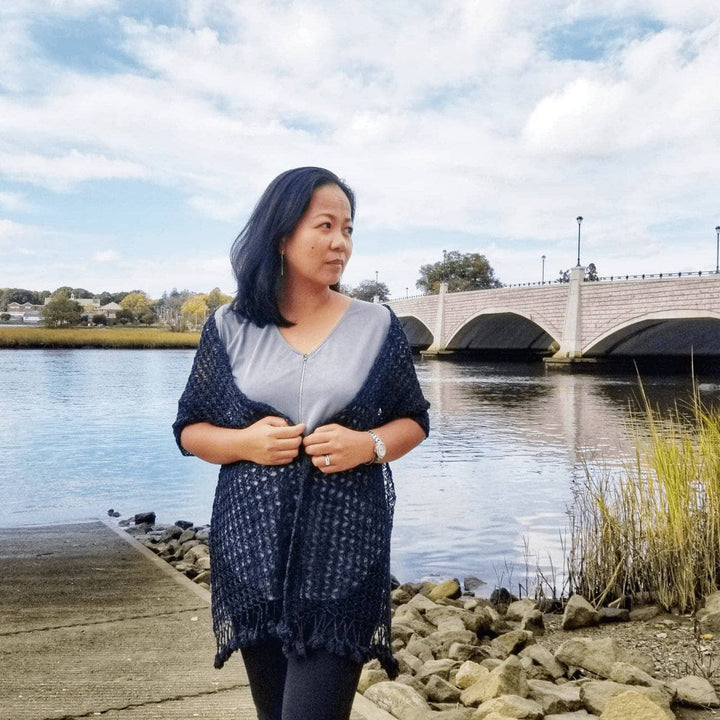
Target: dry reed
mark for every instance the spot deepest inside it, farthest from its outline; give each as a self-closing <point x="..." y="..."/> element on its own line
<point x="111" y="337"/>
<point x="653" y="530"/>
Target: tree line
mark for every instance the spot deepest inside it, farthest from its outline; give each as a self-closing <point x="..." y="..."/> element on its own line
<point x="183" y="308"/>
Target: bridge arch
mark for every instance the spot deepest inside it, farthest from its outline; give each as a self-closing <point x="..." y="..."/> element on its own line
<point x="503" y="329"/>
<point x="418" y="334"/>
<point x="668" y="333"/>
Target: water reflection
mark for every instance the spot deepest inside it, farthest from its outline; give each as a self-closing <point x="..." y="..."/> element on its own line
<point x="489" y="490"/>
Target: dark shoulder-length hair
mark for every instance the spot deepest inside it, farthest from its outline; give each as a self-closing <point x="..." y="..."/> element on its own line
<point x="255" y="254"/>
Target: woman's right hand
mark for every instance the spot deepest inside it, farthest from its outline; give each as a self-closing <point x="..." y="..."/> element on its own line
<point x="271" y="441"/>
<point x="268" y="441"/>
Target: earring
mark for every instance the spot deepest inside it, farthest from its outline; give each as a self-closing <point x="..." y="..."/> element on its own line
<point x="282" y="264"/>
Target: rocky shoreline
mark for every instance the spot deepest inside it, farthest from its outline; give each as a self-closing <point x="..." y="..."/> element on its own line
<point x="466" y="658"/>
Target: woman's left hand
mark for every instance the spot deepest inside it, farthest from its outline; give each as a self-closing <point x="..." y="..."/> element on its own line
<point x="334" y="448"/>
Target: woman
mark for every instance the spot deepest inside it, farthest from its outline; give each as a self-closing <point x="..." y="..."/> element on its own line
<point x="302" y="395"/>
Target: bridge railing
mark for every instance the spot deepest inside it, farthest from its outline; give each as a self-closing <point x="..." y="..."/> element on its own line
<point x="648" y="276"/>
<point x="605" y="278"/>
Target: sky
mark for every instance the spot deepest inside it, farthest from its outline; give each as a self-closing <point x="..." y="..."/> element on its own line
<point x="137" y="135"/>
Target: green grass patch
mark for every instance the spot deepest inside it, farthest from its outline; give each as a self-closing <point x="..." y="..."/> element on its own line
<point x="108" y="337"/>
<point x="654" y="529"/>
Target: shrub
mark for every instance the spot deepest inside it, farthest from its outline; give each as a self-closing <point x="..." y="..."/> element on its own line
<point x="99" y="319"/>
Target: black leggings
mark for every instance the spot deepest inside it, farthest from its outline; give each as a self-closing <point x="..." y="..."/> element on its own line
<point x="320" y="686"/>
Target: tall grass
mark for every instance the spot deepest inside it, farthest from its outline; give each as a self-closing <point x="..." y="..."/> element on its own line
<point x="111" y="337"/>
<point x="654" y="528"/>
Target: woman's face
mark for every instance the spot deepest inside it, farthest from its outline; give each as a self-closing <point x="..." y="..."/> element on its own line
<point x="319" y="247"/>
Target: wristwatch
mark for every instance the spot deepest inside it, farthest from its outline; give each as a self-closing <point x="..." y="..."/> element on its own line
<point x="380" y="448"/>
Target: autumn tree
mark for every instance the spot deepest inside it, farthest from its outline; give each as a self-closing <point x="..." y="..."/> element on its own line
<point x="368" y="289"/>
<point x="60" y="311"/>
<point x="461" y="271"/>
<point x="215" y="298"/>
<point x="195" y="309"/>
<point x="136" y="302"/>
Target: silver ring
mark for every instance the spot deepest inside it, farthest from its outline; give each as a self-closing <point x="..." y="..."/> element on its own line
<point x="327" y="460"/>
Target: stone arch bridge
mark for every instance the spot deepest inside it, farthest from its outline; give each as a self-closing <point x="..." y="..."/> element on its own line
<point x="666" y="316"/>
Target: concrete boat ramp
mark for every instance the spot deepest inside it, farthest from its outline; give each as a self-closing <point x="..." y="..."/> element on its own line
<point x="92" y="624"/>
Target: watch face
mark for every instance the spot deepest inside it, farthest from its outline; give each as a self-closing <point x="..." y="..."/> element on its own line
<point x="380" y="449"/>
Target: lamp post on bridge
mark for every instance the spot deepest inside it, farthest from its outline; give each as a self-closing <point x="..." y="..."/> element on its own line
<point x="579" y="222"/>
<point x="717" y="250"/>
<point x="542" y="282"/>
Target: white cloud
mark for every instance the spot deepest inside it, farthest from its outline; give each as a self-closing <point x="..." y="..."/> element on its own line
<point x="450" y="118"/>
<point x="13" y="202"/>
<point x="61" y="172"/>
<point x="106" y="256"/>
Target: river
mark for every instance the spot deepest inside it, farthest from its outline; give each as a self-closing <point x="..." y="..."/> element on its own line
<point x="82" y="431"/>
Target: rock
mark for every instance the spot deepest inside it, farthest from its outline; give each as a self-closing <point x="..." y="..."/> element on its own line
<point x="533" y="622"/>
<point x="597" y="693"/>
<point x="632" y="704"/>
<point x="370" y="676"/>
<point x="196" y="552"/>
<point x="511" y="643"/>
<point x="441" y="668"/>
<point x="598" y="656"/>
<point x="555" y="698"/>
<point x="412" y="682"/>
<point x="412" y="618"/>
<point x="441" y="642"/>
<point x="202" y="577"/>
<point x="545" y="659"/>
<point x="171" y="533"/>
<point x="695" y="692"/>
<point x="646" y="612"/>
<point x="510" y="706"/>
<point x="462" y="652"/>
<point x="608" y="615"/>
<point x="446" y="589"/>
<point x="501" y="597"/>
<point x="402" y="631"/>
<point x="579" y="613"/>
<point x="709" y="622"/>
<point x="184" y="524"/>
<point x="469" y="673"/>
<point x="518" y="609"/>
<point x="139" y="529"/>
<point x="113" y="513"/>
<point x="399" y="700"/>
<point x="202" y="564"/>
<point x="578" y="715"/>
<point x="187" y="536"/>
<point x="421" y="602"/>
<point x="458" y="713"/>
<point x="626" y="674"/>
<point x="441" y="690"/>
<point x="712" y="602"/>
<point x="203" y="534"/>
<point x="506" y="679"/>
<point x="408" y="662"/>
<point x="470" y="583"/>
<point x="144" y="518"/>
<point x="400" y="596"/>
<point x="421" y="649"/>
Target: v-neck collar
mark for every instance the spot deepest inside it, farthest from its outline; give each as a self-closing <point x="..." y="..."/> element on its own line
<point x="323" y="341"/>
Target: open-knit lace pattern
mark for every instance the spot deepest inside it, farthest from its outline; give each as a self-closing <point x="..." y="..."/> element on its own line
<point x="296" y="554"/>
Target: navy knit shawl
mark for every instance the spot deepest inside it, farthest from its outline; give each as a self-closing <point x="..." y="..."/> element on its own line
<point x="296" y="554"/>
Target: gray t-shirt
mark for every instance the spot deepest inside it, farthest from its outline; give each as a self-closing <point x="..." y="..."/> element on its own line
<point x="312" y="387"/>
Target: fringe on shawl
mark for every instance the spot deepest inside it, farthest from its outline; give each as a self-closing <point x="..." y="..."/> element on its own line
<point x="317" y="630"/>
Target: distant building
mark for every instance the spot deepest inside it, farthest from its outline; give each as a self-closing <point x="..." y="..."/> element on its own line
<point x="110" y="310"/>
<point x="24" y="312"/>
